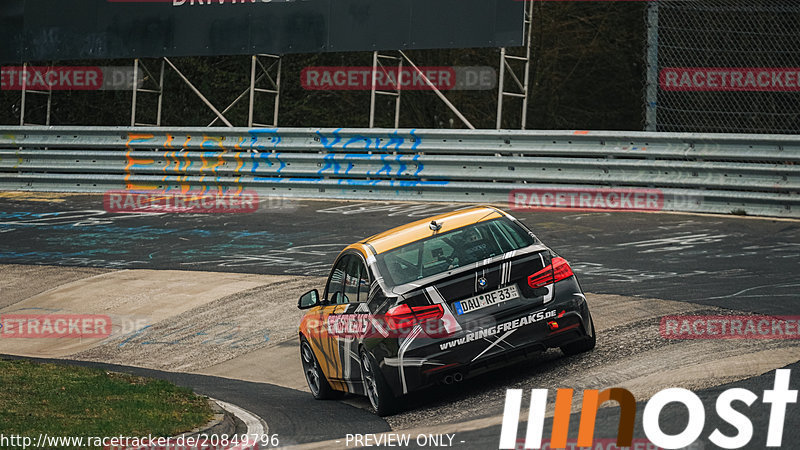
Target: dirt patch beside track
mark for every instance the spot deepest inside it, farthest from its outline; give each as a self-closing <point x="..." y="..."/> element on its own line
<point x="243" y="324"/>
<point x="19" y="282"/>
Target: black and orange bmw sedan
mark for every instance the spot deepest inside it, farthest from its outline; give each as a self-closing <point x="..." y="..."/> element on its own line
<point x="436" y="301"/>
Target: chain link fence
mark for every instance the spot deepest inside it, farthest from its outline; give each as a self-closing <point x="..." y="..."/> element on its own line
<point x="723" y="66"/>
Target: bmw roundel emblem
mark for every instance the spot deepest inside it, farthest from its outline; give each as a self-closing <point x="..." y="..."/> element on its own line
<point x="482" y="282"/>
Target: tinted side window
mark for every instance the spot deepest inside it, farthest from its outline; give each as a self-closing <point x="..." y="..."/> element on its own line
<point x="352" y="277"/>
<point x="336" y="281"/>
<point x="363" y="283"/>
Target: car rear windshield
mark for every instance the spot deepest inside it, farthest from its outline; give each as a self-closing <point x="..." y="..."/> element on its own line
<point x="451" y="250"/>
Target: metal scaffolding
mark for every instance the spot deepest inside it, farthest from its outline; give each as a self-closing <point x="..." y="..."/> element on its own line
<point x="378" y="65"/>
<point x="24" y="100"/>
<point x="507" y="61"/>
<point x="438" y="92"/>
<point x="265" y="81"/>
<point x="272" y="73"/>
<point x="259" y="71"/>
<point x="157" y="88"/>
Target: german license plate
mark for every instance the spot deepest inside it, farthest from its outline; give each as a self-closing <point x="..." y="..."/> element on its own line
<point x="486" y="299"/>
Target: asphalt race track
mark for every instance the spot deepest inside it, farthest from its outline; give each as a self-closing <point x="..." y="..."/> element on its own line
<point x="734" y="262"/>
<point x="637" y="268"/>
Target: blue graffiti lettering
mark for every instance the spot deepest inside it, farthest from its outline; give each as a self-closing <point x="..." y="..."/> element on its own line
<point x="329" y="144"/>
<point x="394" y="140"/>
<point x="271" y="133"/>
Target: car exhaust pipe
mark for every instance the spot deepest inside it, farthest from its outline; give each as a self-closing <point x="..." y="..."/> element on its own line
<point x="457" y="377"/>
<point x="448" y="379"/>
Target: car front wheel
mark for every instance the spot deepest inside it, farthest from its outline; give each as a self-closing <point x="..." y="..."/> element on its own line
<point x="317" y="383"/>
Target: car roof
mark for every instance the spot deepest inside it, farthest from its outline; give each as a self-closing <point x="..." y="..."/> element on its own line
<point x="415" y="231"/>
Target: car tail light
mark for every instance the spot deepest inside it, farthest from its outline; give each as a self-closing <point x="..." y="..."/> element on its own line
<point x="561" y="269"/>
<point x="541" y="278"/>
<point x="556" y="271"/>
<point x="404" y="316"/>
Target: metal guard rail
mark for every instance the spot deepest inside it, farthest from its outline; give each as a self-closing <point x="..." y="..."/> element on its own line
<point x="715" y="173"/>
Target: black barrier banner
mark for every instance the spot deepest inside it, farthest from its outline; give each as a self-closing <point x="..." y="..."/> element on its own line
<point x="43" y="30"/>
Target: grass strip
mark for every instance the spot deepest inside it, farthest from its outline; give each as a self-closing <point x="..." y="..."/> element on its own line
<point x="77" y="401"/>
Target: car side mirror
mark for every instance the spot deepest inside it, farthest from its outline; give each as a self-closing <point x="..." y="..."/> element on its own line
<point x="308" y="300"/>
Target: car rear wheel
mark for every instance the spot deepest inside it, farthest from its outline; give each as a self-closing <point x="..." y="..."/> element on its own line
<point x="378" y="392"/>
<point x="584" y="345"/>
<point x="317" y="383"/>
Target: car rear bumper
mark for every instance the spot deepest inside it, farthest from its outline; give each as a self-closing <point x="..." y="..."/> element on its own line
<point x="426" y="361"/>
